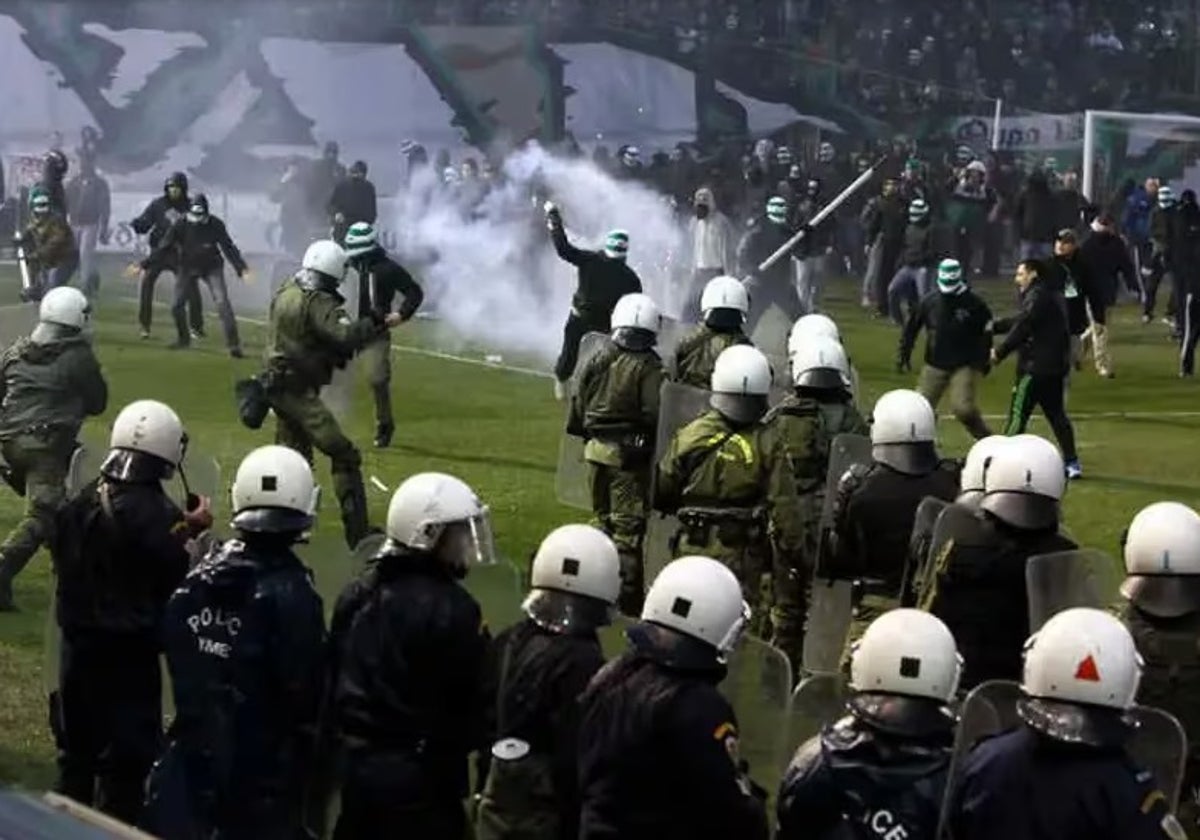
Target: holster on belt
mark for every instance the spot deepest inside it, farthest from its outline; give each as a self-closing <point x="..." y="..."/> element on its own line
<point x="729" y="526"/>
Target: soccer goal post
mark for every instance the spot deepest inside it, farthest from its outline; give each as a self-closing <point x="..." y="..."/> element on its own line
<point x="1119" y="146"/>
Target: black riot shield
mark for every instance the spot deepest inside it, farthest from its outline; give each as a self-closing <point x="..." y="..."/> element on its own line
<point x="678" y="405"/>
<point x="1157" y="741"/>
<point x="571" y="477"/>
<point x="817" y="702"/>
<point x="919" y="543"/>
<point x="1055" y="582"/>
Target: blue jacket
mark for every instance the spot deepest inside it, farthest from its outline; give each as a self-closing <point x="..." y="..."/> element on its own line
<point x="1135" y="221"/>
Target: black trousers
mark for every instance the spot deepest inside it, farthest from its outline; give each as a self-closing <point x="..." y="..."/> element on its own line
<point x="1032" y="390"/>
<point x="1191" y="334"/>
<point x="573" y="332"/>
<point x="146" y="301"/>
<point x="107" y="720"/>
<point x="392" y="795"/>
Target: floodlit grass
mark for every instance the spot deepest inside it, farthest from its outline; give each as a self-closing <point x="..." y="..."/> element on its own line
<point x="499" y="431"/>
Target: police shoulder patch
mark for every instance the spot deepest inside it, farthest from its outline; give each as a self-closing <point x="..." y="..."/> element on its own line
<point x="726" y="733"/>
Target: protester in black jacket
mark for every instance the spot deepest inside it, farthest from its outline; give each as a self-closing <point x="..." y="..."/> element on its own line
<point x="1082" y="292"/>
<point x="353" y="201"/>
<point x="884" y="219"/>
<point x="158" y="217"/>
<point x="1188" y="280"/>
<point x="1107" y="259"/>
<point x="958" y="323"/>
<point x="1041" y="339"/>
<point x="1035" y="217"/>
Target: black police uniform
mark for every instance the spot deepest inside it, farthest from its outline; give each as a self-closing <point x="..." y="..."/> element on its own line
<point x="658" y="747"/>
<point x="119" y="551"/>
<point x="159" y="215"/>
<point x="245" y="641"/>
<point x="873" y="517"/>
<point x="602" y="282"/>
<point x="539" y="668"/>
<point x="980" y="593"/>
<point x="197" y="251"/>
<point x="1022" y="785"/>
<point x="409" y="649"/>
<point x="878" y="772"/>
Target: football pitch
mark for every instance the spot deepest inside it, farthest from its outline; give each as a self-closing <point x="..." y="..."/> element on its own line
<point x="498" y="429"/>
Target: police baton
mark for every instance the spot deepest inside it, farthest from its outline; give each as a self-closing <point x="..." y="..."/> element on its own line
<point x="823" y="214"/>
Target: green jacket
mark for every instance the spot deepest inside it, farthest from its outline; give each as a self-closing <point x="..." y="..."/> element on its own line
<point x="47" y="389"/>
<point x="714" y="464"/>
<point x="310" y="334"/>
<point x="697" y="354"/>
<point x="808" y="427"/>
<point x="618" y="395"/>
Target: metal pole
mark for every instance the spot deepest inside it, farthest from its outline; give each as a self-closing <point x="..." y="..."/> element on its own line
<point x="996" y="125"/>
<point x="1089" y="153"/>
<point x="824" y="213"/>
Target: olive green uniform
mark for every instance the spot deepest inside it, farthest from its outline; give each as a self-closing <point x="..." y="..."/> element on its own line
<point x="616" y="411"/>
<point x="47" y="388"/>
<point x="808" y="427"/>
<point x="1171" y="681"/>
<point x="696" y="355"/>
<point x="309" y="335"/>
<point x="734" y="492"/>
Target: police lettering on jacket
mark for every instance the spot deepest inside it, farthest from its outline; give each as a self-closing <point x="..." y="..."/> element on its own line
<point x="215" y="630"/>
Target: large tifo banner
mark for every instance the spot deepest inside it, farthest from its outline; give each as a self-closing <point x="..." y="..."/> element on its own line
<point x="1028" y="133"/>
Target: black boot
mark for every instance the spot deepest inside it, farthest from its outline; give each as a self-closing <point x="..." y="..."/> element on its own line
<point x="383" y="434"/>
<point x="6" y="594"/>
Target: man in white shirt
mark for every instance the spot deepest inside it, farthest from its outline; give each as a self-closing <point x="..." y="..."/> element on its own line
<point x="713" y="249"/>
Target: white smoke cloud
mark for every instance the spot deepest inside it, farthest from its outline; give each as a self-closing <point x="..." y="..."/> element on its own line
<point x="494" y="272"/>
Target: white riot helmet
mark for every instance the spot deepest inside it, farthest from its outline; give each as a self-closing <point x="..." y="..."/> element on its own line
<point x="809" y="326"/>
<point x="147" y="443"/>
<point x="1162" y="559"/>
<point x="701" y="598"/>
<point x="65" y="306"/>
<point x="903" y="432"/>
<point x="273" y="492"/>
<point x="725" y="293"/>
<point x="910" y="657"/>
<point x="575" y="579"/>
<point x="820" y="362"/>
<point x="327" y="258"/>
<point x="435" y="512"/>
<point x="741" y="381"/>
<point x="1086" y="658"/>
<point x="635" y="322"/>
<point x="1024" y="483"/>
<point x="970" y="481"/>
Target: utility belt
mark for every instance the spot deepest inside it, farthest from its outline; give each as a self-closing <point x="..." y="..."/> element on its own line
<point x="636" y="448"/>
<point x="729" y="526"/>
<point x="873" y="590"/>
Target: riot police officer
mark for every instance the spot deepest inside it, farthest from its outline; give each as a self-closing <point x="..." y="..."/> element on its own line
<point x="1063" y="772"/>
<point x="979" y="586"/>
<point x="728" y="479"/>
<point x="245" y="642"/>
<point x="119" y="549"/>
<point x="880" y="770"/>
<point x="49" y="382"/>
<point x="1162" y="559"/>
<point x="723" y="307"/>
<point x="409" y="648"/>
<point x="872" y="516"/>
<point x="309" y="335"/>
<point x="658" y="744"/>
<point x="541" y="666"/>
<point x="616" y="411"/>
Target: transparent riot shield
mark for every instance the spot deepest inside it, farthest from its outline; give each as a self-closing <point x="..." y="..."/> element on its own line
<point x="781" y="377"/>
<point x="957" y="525"/>
<point x="1066" y="579"/>
<point x="495" y="584"/>
<point x="17" y="321"/>
<point x="571" y="477"/>
<point x="669" y="335"/>
<point x="845" y="451"/>
<point x="916" y="564"/>
<point x="759" y="684"/>
<point x="678" y="405"/>
<point x="613" y="640"/>
<point x="770" y="333"/>
<point x="830" y="613"/>
<point x="338" y="395"/>
<point x="818" y="701"/>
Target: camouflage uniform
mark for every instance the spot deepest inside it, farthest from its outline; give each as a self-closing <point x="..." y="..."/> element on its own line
<point x="50" y="250"/>
<point x="616" y="410"/>
<point x="309" y="335"/>
<point x="735" y="495"/>
<point x="696" y="354"/>
<point x="1171" y="681"/>
<point x="808" y="427"/>
<point x="47" y="388"/>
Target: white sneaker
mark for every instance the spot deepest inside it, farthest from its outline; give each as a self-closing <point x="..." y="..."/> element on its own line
<point x="560" y="390"/>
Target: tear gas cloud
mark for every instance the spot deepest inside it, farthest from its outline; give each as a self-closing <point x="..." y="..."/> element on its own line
<point x="493" y="272"/>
